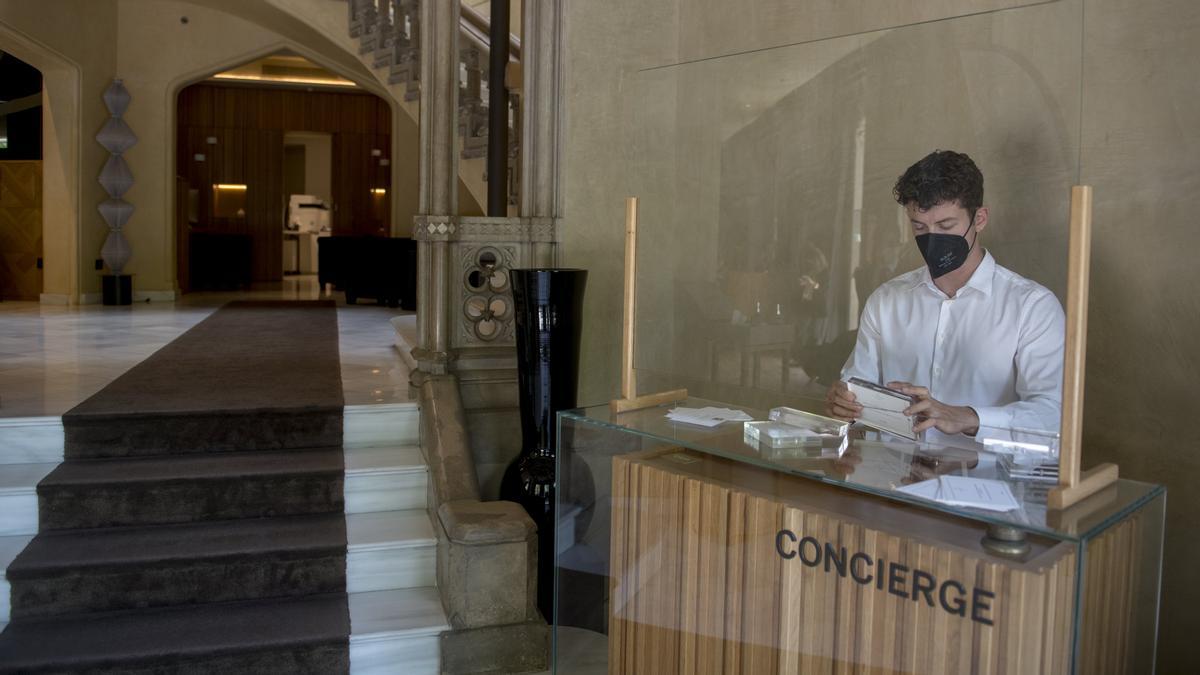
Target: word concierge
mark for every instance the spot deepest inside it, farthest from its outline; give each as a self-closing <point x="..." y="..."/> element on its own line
<point x="915" y="584"/>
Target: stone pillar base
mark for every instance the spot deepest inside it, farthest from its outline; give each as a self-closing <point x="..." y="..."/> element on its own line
<point x="513" y="648"/>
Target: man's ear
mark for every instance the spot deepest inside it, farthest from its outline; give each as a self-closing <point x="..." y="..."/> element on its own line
<point x="981" y="218"/>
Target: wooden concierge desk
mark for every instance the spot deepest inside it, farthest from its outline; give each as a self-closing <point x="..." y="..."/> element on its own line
<point x="692" y="551"/>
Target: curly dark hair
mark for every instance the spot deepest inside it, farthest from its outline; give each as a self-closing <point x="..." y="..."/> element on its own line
<point x="941" y="176"/>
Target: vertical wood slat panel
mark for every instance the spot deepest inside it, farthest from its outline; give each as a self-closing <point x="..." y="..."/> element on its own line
<point x="21" y="236"/>
<point x="691" y="583"/>
<point x="735" y="569"/>
<point x="239" y="117"/>
<point x="763" y="518"/>
<point x="618" y="535"/>
<point x="644" y="557"/>
<point x="782" y="616"/>
<point x="711" y="566"/>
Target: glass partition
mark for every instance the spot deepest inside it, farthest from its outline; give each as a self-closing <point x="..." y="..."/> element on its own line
<point x="766" y="215"/>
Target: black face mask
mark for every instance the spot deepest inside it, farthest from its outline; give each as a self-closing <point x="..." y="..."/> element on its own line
<point x="945" y="253"/>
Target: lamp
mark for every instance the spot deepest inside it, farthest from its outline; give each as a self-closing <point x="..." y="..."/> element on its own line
<point x="116" y="179"/>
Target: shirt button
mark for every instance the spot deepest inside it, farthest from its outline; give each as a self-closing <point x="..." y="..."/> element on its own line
<point x="937" y="370"/>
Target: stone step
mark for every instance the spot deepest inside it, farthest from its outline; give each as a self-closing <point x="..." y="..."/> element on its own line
<point x="380" y="478"/>
<point x="211" y="486"/>
<point x="30" y="440"/>
<point x="108" y="435"/>
<point x="37" y="440"/>
<point x="365" y="426"/>
<point x="390" y="550"/>
<point x="124" y="568"/>
<point x="276" y="636"/>
<point x="396" y="632"/>
<point x="9" y="548"/>
<point x="385" y="478"/>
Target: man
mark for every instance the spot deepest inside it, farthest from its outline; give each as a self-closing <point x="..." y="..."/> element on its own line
<point x="978" y="346"/>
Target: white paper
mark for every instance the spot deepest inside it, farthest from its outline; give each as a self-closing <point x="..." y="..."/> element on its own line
<point x="883" y="411"/>
<point x="979" y="493"/>
<point x="707" y="417"/>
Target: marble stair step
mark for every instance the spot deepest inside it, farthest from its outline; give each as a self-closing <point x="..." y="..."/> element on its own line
<point x="390" y="550"/>
<point x="396" y="632"/>
<point x="118" y="568"/>
<point x="9" y="548"/>
<point x="212" y="486"/>
<point x="18" y="496"/>
<point x="386" y="478"/>
<point x="380" y="424"/>
<point x="30" y="440"/>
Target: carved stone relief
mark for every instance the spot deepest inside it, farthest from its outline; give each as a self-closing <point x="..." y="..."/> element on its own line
<point x="485" y="297"/>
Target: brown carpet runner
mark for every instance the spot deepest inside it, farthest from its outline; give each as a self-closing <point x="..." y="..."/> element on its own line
<point x="197" y="523"/>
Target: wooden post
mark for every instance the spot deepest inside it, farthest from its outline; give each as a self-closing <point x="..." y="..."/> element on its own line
<point x="628" y="387"/>
<point x="629" y="399"/>
<point x="1074" y="485"/>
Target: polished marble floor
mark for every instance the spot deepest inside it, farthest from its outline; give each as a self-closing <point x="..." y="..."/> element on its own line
<point x="53" y="357"/>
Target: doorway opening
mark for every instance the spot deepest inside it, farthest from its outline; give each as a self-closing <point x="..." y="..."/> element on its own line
<point x="272" y="156"/>
<point x="307" y="183"/>
<point x="21" y="237"/>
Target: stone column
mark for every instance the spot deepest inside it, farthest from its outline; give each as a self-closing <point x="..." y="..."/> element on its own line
<point x="438" y="176"/>
<point x="541" y="53"/>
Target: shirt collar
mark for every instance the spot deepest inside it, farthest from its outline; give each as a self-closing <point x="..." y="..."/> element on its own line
<point x="981" y="280"/>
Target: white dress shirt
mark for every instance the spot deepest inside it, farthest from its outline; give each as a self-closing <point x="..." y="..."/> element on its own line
<point x="997" y="346"/>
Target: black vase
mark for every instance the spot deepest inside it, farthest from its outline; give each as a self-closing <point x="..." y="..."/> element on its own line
<point x="548" y="315"/>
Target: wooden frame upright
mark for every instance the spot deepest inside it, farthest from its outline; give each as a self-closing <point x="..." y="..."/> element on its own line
<point x="1073" y="484"/>
<point x="629" y="399"/>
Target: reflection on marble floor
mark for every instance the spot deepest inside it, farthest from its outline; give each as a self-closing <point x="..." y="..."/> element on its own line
<point x="54" y="357"/>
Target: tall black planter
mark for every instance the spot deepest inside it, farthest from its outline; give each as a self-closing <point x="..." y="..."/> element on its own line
<point x="548" y="314"/>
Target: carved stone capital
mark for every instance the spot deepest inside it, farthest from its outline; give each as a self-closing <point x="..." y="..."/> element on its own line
<point x="435" y="228"/>
<point x="543" y="230"/>
<point x="431" y="362"/>
<point x="517" y="230"/>
<point x="482" y="229"/>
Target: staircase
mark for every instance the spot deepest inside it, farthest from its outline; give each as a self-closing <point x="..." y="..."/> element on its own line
<point x="395" y="614"/>
<point x="389" y="38"/>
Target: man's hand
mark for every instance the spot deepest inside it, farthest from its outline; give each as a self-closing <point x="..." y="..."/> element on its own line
<point x="841" y="403"/>
<point x="932" y="413"/>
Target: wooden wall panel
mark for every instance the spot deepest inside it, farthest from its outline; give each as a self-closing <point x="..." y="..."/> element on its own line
<point x="249" y="124"/>
<point x="20" y="229"/>
<point x="697" y="585"/>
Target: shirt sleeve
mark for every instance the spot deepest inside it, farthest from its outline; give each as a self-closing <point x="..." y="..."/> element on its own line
<point x="865" y="361"/>
<point x="1039" y="369"/>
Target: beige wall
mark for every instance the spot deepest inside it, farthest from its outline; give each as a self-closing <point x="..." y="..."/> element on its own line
<point x="1141" y="143"/>
<point x="157" y="56"/>
<point x="1141" y="151"/>
<point x="77" y="60"/>
<point x="145" y="43"/>
<point x="318" y="162"/>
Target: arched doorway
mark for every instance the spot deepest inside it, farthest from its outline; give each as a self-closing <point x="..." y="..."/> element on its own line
<point x="59" y="166"/>
<point x="20" y="179"/>
<point x="240" y="132"/>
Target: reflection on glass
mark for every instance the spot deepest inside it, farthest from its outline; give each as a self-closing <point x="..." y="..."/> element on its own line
<point x="765" y="182"/>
